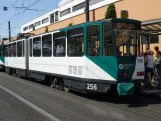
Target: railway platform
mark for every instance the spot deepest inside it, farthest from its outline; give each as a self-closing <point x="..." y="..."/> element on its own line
<point x="155" y="92"/>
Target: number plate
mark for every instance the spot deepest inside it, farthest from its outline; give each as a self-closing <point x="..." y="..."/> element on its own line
<point x="92" y="87"/>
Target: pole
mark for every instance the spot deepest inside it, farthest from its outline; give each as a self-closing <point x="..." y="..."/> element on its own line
<point x="87" y="10"/>
<point x="9" y="30"/>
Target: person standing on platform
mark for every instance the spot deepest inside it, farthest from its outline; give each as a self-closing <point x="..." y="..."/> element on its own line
<point x="156" y="48"/>
<point x="157" y="64"/>
<point x="149" y="69"/>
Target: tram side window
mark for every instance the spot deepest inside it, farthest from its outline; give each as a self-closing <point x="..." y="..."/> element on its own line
<point x="23" y="48"/>
<point x="47" y="46"/>
<point x="93" y="40"/>
<point x="14" y="49"/>
<point x="37" y="47"/>
<point x="2" y="50"/>
<point x="30" y="47"/>
<point x="19" y="49"/>
<point x="108" y="43"/>
<point x="76" y="42"/>
<point x="59" y="44"/>
<point x="10" y="50"/>
<point x="6" y="50"/>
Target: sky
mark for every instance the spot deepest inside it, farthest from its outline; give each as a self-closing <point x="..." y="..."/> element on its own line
<point x="18" y="17"/>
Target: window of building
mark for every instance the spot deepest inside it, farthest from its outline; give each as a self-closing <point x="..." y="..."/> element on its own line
<point x="59" y="44"/>
<point x="144" y="39"/>
<point x="92" y="2"/>
<point x="6" y="51"/>
<point x="37" y="23"/>
<point x="37" y="47"/>
<point x="65" y="12"/>
<point x="56" y="16"/>
<point x="78" y="7"/>
<point x="19" y="49"/>
<point x="47" y="45"/>
<point x="31" y="26"/>
<point x="45" y="20"/>
<point x="30" y="47"/>
<point x="93" y="40"/>
<point x="108" y="43"/>
<point x="154" y="39"/>
<point x="76" y="42"/>
<point x="14" y="49"/>
<point x="52" y="18"/>
<point x="25" y="28"/>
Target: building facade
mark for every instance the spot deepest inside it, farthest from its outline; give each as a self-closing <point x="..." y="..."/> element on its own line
<point x="70" y="10"/>
<point x="74" y="12"/>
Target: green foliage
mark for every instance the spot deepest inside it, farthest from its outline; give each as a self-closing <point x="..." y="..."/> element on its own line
<point x="71" y="24"/>
<point x="3" y="39"/>
<point x="46" y="29"/>
<point x="111" y="12"/>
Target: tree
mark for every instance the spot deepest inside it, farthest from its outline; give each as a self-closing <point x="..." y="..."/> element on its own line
<point x="46" y="29"/>
<point x="111" y="12"/>
<point x="4" y="39"/>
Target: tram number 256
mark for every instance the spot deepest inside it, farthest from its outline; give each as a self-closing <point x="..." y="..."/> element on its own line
<point x="139" y="60"/>
<point x="91" y="86"/>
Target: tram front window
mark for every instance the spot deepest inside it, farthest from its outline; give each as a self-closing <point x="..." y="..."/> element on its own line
<point x="108" y="43"/>
<point x="126" y="42"/>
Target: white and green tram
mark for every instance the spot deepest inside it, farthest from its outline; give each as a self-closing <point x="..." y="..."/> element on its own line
<point x="90" y="57"/>
<point x="2" y="51"/>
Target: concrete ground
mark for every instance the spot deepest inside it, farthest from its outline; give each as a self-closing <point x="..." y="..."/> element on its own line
<point x="23" y="100"/>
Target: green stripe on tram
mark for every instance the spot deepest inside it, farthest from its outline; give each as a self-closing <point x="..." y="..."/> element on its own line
<point x="2" y="59"/>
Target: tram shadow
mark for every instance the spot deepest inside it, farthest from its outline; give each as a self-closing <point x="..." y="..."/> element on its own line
<point x="113" y="98"/>
<point x="130" y="101"/>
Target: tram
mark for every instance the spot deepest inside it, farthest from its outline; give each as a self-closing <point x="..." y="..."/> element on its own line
<point x="90" y="57"/>
<point x="2" y="65"/>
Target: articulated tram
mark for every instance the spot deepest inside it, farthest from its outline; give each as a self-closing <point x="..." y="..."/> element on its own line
<point x="2" y="65"/>
<point x="90" y="57"/>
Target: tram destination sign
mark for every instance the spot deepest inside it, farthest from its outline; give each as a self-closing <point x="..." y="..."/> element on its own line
<point x="128" y="26"/>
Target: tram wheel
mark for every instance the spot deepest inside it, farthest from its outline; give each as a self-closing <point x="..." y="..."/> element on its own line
<point x="52" y="83"/>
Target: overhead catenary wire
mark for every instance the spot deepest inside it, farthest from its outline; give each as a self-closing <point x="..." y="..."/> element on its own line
<point x="23" y="3"/>
<point x="17" y="14"/>
<point x="9" y="6"/>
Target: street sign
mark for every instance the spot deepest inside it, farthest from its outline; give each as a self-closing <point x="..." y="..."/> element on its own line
<point x="124" y="14"/>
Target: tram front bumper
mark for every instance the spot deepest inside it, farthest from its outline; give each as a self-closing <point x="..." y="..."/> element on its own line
<point x="125" y="88"/>
<point x="1" y="67"/>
